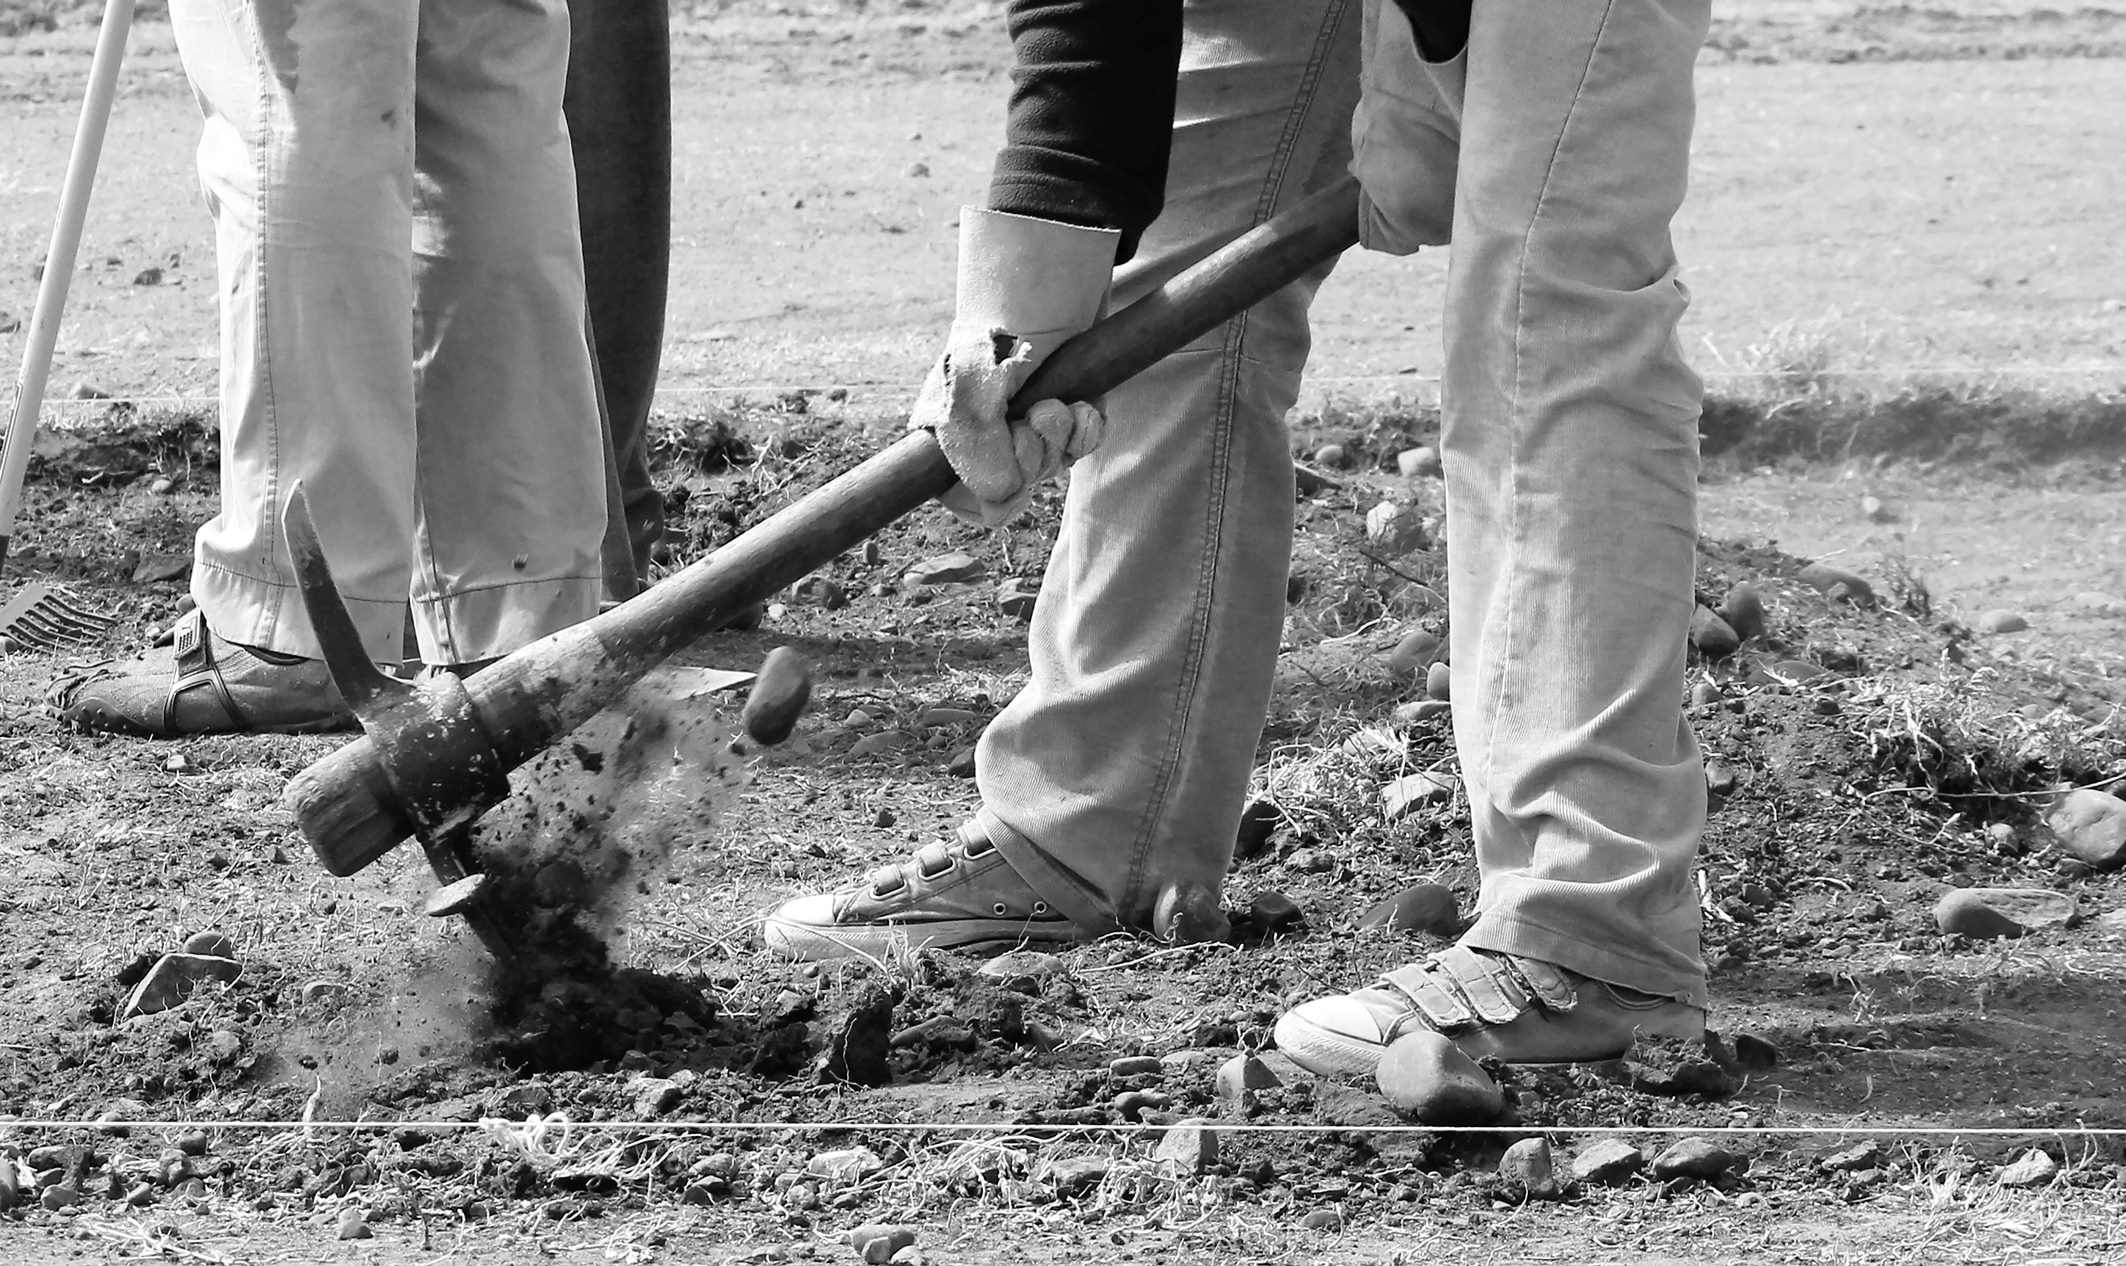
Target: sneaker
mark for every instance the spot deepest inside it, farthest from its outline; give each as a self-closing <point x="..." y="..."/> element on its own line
<point x="959" y="896"/>
<point x="1494" y="1006"/>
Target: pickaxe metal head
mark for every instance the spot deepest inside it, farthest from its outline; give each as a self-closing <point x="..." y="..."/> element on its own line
<point x="457" y="767"/>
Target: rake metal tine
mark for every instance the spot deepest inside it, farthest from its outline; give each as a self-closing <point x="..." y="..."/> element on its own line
<point x="52" y="623"/>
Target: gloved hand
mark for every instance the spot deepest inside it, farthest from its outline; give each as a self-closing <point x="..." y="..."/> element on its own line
<point x="1405" y="135"/>
<point x="1025" y="286"/>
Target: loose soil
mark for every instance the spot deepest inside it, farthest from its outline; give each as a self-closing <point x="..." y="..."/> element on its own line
<point x="1918" y="761"/>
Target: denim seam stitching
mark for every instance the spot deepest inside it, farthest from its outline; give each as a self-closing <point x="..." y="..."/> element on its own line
<point x="1516" y="516"/>
<point x="1230" y="356"/>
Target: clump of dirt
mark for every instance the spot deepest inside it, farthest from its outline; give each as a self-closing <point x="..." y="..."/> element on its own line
<point x="590" y="827"/>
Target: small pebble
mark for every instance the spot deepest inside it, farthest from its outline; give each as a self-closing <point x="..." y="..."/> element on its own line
<point x="1272" y="912"/>
<point x="1323" y="1220"/>
<point x="1398" y="798"/>
<point x="2001" y="622"/>
<point x="1719" y="779"/>
<point x="354" y="1225"/>
<point x="1241" y="1076"/>
<point x="212" y="944"/>
<point x="2090" y="825"/>
<point x="1424" y="907"/>
<point x="1743" y="610"/>
<point x="1418" y="463"/>
<point x="1395" y="530"/>
<point x="1333" y="456"/>
<point x="1985" y="914"/>
<point x="1439" y="681"/>
<point x="1190" y="1144"/>
<point x="1017" y="597"/>
<point x="1712" y="635"/>
<point x="1135" y="1066"/>
<point x="59" y="1196"/>
<point x="1420" y="710"/>
<point x="2034" y="1169"/>
<point x="877" y="1243"/>
<point x="1824" y="578"/>
<point x="1528" y="1169"/>
<point x="946" y="569"/>
<point x="1607" y="1161"/>
<point x="1415" y="651"/>
<point x="1693" y="1158"/>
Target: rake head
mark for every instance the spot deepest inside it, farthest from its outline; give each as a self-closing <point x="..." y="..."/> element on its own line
<point x="39" y="617"/>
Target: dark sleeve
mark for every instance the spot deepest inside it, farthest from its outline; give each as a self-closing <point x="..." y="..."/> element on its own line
<point x="1092" y="113"/>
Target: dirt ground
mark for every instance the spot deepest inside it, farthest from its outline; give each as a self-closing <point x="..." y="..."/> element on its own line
<point x="1912" y="304"/>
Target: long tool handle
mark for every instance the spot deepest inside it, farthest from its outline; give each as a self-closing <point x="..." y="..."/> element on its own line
<point x="526" y="702"/>
<point x="59" y="260"/>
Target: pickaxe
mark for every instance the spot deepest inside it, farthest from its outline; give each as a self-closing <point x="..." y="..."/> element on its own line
<point x="437" y="754"/>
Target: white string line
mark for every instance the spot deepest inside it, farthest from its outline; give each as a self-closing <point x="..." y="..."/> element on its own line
<point x="1006" y="1127"/>
<point x="908" y="388"/>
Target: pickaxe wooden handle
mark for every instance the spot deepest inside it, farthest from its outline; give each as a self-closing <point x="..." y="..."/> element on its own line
<point x="440" y="766"/>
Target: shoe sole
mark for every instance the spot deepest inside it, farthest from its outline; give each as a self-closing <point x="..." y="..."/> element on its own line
<point x="809" y="943"/>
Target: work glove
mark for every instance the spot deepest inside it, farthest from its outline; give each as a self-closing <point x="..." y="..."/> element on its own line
<point x="1025" y="286"/>
<point x="1405" y="135"/>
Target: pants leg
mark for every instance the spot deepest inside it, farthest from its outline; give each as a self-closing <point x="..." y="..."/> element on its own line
<point x="1570" y="451"/>
<point x="1123" y="763"/>
<point x="619" y="108"/>
<point x="511" y="493"/>
<point x="306" y="160"/>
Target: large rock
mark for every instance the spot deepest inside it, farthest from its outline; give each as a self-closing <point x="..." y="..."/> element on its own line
<point x="175" y="977"/>
<point x="2091" y="825"/>
<point x="1986" y="914"/>
<point x="1431" y="1081"/>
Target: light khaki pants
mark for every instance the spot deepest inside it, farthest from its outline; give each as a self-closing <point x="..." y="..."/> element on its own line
<point x="402" y="319"/>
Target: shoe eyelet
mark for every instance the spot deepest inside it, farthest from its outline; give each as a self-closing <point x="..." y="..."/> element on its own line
<point x="1040" y="907"/>
<point x="1000" y="909"/>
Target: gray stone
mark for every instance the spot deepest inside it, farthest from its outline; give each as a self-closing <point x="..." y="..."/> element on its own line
<point x="1867" y="1154"/>
<point x="1712" y="635"/>
<point x="845" y="1165"/>
<point x="1017" y="597"/>
<point x="2090" y="602"/>
<point x="1333" y="456"/>
<point x="1072" y="1175"/>
<point x="1743" y="610"/>
<point x="1431" y="1081"/>
<point x="1985" y="914"/>
<point x="354" y="1225"/>
<point x="1719" y="779"/>
<point x="2001" y="621"/>
<point x="1607" y="1161"/>
<point x="654" y="1096"/>
<point x="1395" y="530"/>
<point x="324" y="990"/>
<point x="1272" y="912"/>
<point x="1425" y="907"/>
<point x="1824" y="578"/>
<point x="1416" y="650"/>
<point x="1439" y="681"/>
<point x="2091" y="825"/>
<point x="1322" y="1220"/>
<point x="1527" y="1168"/>
<point x="1411" y="790"/>
<point x="1027" y="964"/>
<point x="2033" y="1169"/>
<point x="943" y="715"/>
<point x="175" y="977"/>
<point x="876" y="1243"/>
<point x="1190" y="1144"/>
<point x="1421" y="710"/>
<point x="877" y="744"/>
<point x="1242" y="1075"/>
<point x="1135" y="1066"/>
<point x="1189" y="913"/>
<point x="1418" y="463"/>
<point x="1693" y="1158"/>
<point x="946" y="569"/>
<point x="1878" y="510"/>
<point x="212" y="944"/>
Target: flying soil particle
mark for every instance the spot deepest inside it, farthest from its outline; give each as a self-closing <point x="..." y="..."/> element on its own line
<point x="593" y="824"/>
